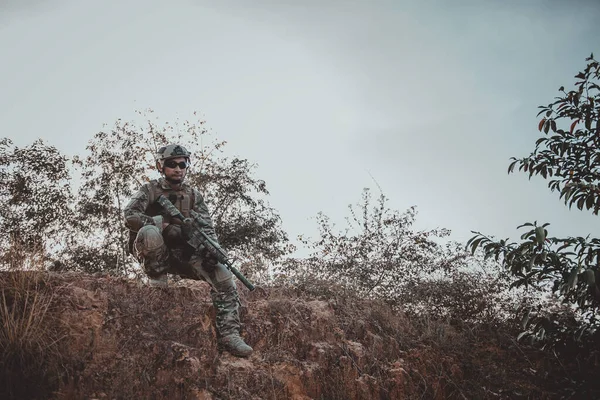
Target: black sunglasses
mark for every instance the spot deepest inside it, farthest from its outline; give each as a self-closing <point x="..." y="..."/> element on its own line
<point x="173" y="164"/>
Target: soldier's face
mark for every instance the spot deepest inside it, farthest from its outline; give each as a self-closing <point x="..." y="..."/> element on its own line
<point x="173" y="169"/>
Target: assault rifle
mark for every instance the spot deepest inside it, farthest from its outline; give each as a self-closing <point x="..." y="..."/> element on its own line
<point x="199" y="238"/>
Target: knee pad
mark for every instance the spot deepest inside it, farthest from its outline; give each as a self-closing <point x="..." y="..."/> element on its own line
<point x="148" y="240"/>
<point x="223" y="276"/>
<point x="218" y="275"/>
<point x="151" y="250"/>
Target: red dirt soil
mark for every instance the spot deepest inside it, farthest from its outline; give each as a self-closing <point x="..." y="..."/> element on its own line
<point x="124" y="340"/>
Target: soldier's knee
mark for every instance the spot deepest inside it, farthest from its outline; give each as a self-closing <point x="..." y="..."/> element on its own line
<point x="149" y="239"/>
<point x="223" y="274"/>
<point x="223" y="281"/>
<point x="151" y="250"/>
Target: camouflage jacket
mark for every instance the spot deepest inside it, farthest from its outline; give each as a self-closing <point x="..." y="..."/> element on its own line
<point x="142" y="209"/>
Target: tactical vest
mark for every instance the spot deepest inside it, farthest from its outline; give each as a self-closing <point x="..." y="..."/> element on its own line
<point x="183" y="199"/>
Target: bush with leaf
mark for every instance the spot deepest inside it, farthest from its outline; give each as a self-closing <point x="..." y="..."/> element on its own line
<point x="84" y="228"/>
<point x="566" y="268"/>
<point x="121" y="159"/>
<point x="380" y="256"/>
<point x="37" y="203"/>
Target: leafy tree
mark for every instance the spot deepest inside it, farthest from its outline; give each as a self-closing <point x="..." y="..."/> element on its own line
<point x="378" y="255"/>
<point x="36" y="202"/>
<point x="245" y="223"/>
<point x="117" y="159"/>
<point x="121" y="159"/>
<point x="568" y="155"/>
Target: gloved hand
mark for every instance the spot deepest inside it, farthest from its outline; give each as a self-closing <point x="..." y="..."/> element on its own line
<point x="207" y="256"/>
<point x="186" y="227"/>
<point x="172" y="235"/>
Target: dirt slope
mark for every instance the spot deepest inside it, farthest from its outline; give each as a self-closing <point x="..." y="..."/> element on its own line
<point x="123" y="340"/>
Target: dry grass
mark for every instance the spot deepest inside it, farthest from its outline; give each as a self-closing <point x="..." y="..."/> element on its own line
<point x="28" y="335"/>
<point x="23" y="310"/>
<point x="131" y="341"/>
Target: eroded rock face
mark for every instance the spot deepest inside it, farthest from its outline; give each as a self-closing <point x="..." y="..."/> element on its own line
<point x="123" y="340"/>
<point x="131" y="341"/>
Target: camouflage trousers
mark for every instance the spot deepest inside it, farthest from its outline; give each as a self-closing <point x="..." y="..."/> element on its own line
<point x="158" y="259"/>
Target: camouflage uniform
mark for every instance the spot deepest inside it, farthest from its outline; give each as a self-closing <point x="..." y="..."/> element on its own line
<point x="162" y="252"/>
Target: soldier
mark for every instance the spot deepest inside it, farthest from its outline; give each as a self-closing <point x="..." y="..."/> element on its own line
<point x="159" y="243"/>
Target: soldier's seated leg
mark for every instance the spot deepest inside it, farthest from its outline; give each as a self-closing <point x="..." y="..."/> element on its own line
<point x="226" y="301"/>
<point x="152" y="252"/>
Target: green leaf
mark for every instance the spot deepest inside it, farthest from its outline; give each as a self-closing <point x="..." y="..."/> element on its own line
<point x="590" y="276"/>
<point x="580" y="202"/>
<point x="527" y="234"/>
<point x="525" y="247"/>
<point x="540" y="235"/>
<point x="590" y="201"/>
<point x="531" y="262"/>
<point x="573" y="126"/>
<point x="475" y="244"/>
<point x="572" y="281"/>
<point x="568" y="192"/>
<point x="525" y="224"/>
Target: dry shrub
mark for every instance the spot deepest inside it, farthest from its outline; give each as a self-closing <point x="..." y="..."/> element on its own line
<point x="131" y="341"/>
<point x="463" y="297"/>
<point x="29" y="331"/>
<point x="28" y="339"/>
<point x="452" y="338"/>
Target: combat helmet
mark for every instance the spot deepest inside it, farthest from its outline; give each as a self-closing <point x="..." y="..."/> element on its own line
<point x="170" y="151"/>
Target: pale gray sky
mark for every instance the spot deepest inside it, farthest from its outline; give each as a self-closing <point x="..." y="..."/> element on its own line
<point x="431" y="98"/>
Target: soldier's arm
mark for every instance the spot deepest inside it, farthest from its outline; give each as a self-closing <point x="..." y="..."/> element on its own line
<point x="134" y="211"/>
<point x="201" y="208"/>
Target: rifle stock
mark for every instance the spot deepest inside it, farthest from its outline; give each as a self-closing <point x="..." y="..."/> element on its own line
<point x="198" y="238"/>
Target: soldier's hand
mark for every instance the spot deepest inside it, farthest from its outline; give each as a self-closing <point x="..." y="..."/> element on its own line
<point x="208" y="257"/>
<point x="185" y="227"/>
<point x="186" y="230"/>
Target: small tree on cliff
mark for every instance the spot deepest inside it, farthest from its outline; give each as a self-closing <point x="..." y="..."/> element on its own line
<point x="36" y="202"/>
<point x="121" y="159"/>
<point x="568" y="155"/>
<point x="380" y="256"/>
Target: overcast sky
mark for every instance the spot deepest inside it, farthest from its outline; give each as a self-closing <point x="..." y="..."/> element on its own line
<point x="430" y="98"/>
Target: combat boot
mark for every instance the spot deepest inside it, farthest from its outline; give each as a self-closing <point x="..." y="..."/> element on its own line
<point x="235" y="345"/>
<point x="160" y="281"/>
